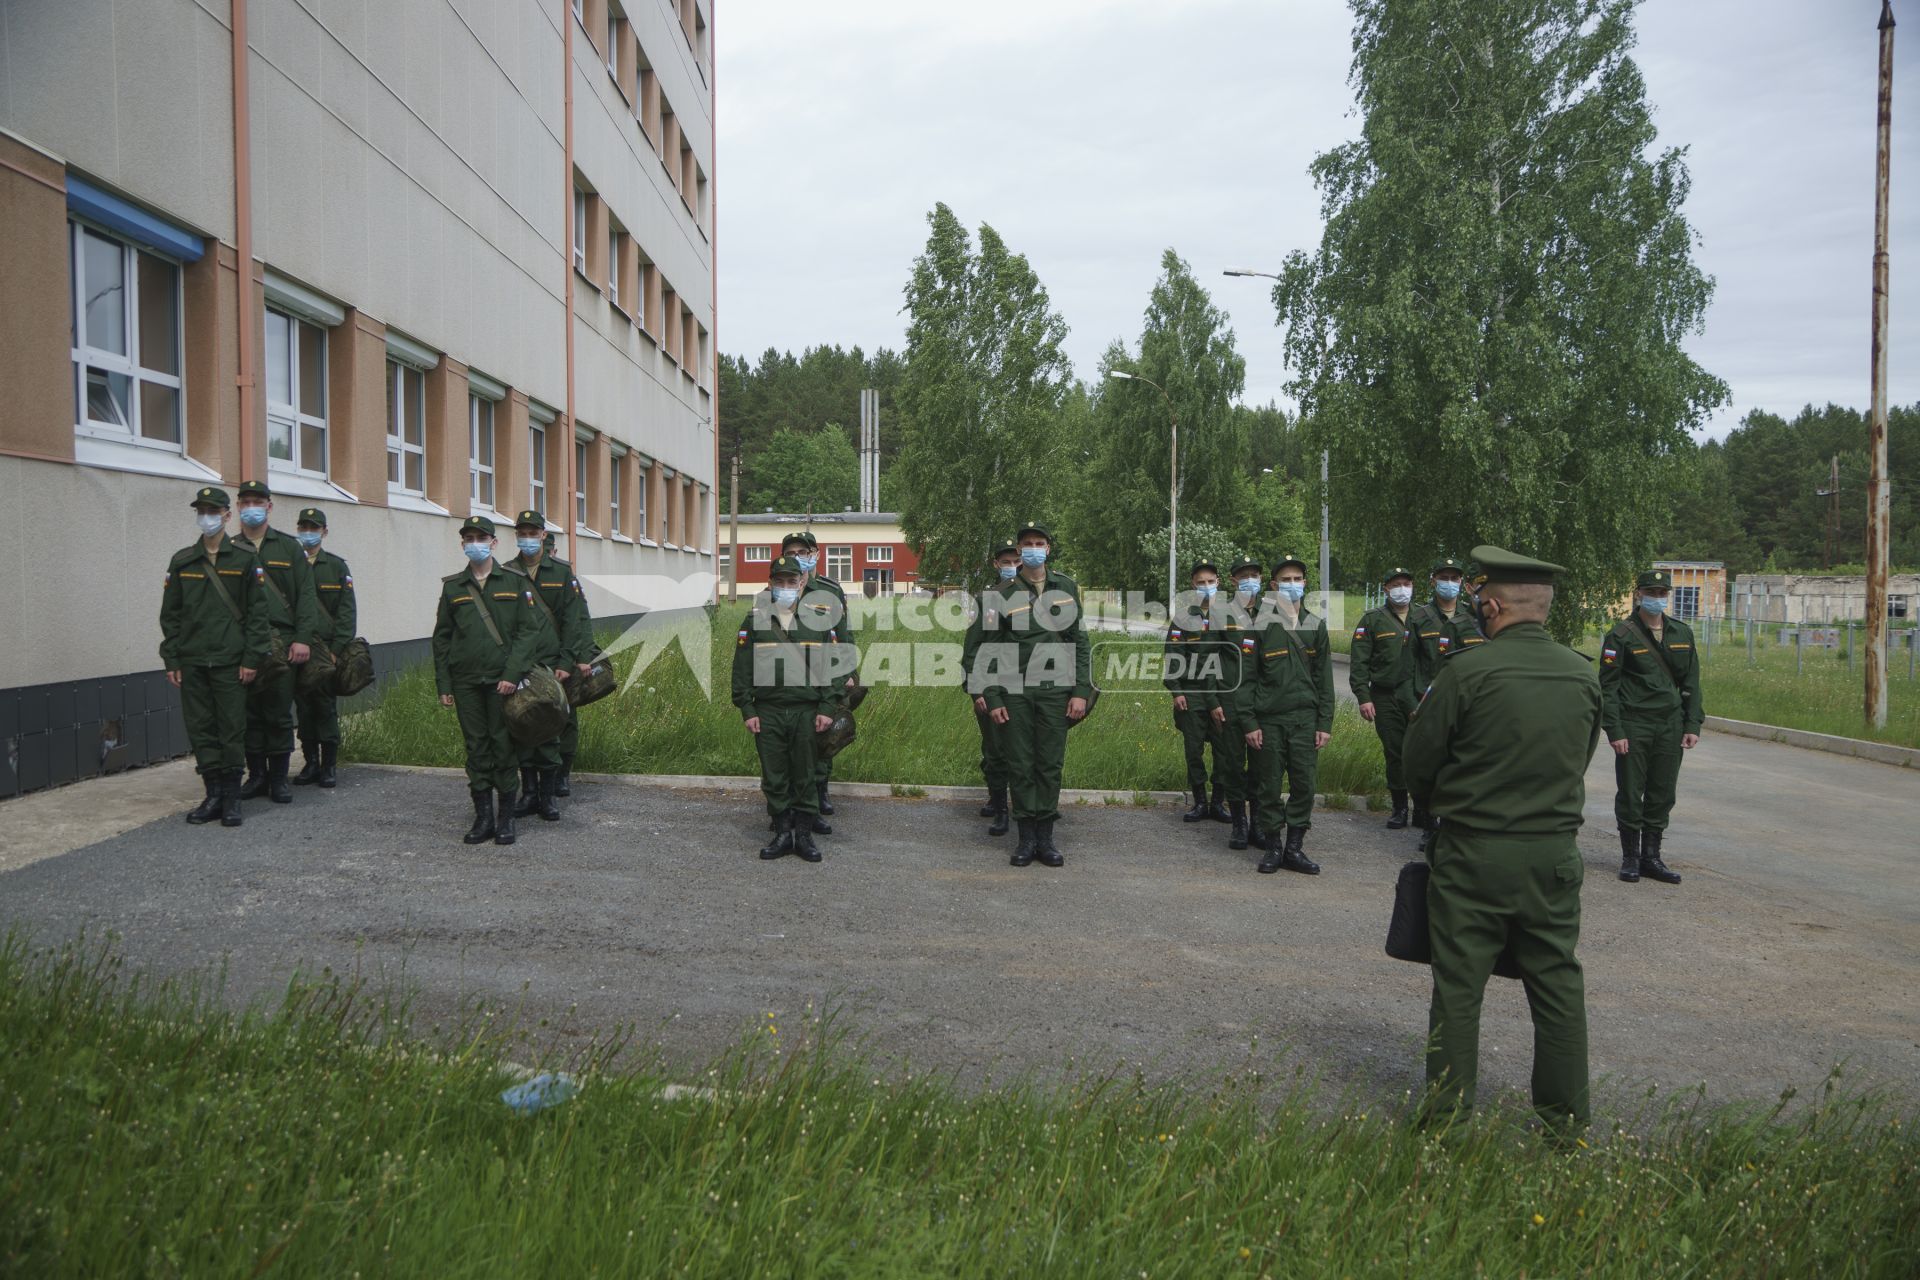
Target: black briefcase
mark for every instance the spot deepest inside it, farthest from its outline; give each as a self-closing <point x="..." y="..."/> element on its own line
<point x="1407" y="937"/>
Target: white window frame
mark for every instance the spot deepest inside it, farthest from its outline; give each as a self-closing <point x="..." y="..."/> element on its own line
<point x="614" y="469"/>
<point x="398" y="446"/>
<point x="580" y="455"/>
<point x="640" y="502"/>
<point x="537" y="466"/>
<point x="85" y="356"/>
<point x="761" y="554"/>
<point x="580" y="220"/>
<point x="481" y="407"/>
<point x="881" y="553"/>
<point x="614" y="19"/>
<point x="845" y="556"/>
<point x="613" y="262"/>
<point x="290" y="415"/>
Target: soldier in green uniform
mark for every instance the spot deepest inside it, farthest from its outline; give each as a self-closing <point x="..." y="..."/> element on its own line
<point x="318" y="714"/>
<point x="1650" y="677"/>
<point x="293" y="609"/>
<point x="782" y="684"/>
<point x="213" y="639"/>
<point x="1036" y="672"/>
<point x="804" y="547"/>
<point x="1501" y="742"/>
<point x="993" y="764"/>
<point x="1242" y="609"/>
<point x="1380" y="665"/>
<point x="1442" y="627"/>
<point x="1286" y="714"/>
<point x="545" y="765"/>
<point x="488" y="634"/>
<point x="1191" y="665"/>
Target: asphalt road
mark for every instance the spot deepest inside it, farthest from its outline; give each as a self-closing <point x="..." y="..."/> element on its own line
<point x="1793" y="946"/>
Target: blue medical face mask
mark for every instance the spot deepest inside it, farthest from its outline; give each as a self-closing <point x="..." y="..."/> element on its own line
<point x="530" y="547"/>
<point x="785" y="595"/>
<point x="1654" y="604"/>
<point x="1292" y="591"/>
<point x="253" y="517"/>
<point x="210" y="522"/>
<point x="1033" y="557"/>
<point x="478" y="552"/>
<point x="1207" y="590"/>
<point x="808" y="561"/>
<point x="1007" y="571"/>
<point x="1447" y="590"/>
<point x="308" y="540"/>
<point x="1247" y="586"/>
<point x="1400" y="595"/>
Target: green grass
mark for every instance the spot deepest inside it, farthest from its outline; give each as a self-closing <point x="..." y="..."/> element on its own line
<point x="1823" y="697"/>
<point x="907" y="735"/>
<point x="146" y="1130"/>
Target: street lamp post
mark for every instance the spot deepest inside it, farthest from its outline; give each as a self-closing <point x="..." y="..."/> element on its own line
<point x="1173" y="478"/>
<point x="1326" y="588"/>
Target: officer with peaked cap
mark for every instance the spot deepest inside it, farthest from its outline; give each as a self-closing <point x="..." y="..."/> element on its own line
<point x="1650" y="678"/>
<point x="1501" y="743"/>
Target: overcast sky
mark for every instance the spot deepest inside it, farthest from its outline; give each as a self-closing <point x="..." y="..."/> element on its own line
<point x="1095" y="133"/>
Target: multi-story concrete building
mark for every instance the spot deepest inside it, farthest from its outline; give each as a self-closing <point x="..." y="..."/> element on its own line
<point x="403" y="259"/>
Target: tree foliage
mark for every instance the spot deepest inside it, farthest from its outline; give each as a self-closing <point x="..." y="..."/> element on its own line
<point x="1488" y="337"/>
<point x="808" y="470"/>
<point x="802" y="394"/>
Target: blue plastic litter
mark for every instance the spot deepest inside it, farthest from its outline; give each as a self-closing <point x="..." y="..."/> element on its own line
<point x="548" y="1089"/>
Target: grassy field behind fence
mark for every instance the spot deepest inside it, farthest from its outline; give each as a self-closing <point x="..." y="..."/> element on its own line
<point x="145" y="1130"/>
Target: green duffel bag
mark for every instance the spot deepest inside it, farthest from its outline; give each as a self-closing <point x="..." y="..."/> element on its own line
<point x="537" y="710"/>
<point x="830" y="741"/>
<point x="316" y="674"/>
<point x="855" y="696"/>
<point x="595" y="685"/>
<point x="353" y="668"/>
<point x="274" y="667"/>
<point x="1093" y="700"/>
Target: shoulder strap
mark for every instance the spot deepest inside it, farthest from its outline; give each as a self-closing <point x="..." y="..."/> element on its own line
<point x="267" y="578"/>
<point x="1659" y="653"/>
<point x="220" y="589"/>
<point x="545" y="608"/>
<point x="486" y="615"/>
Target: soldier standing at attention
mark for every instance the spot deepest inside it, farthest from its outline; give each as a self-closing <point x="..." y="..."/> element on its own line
<point x="319" y="714"/>
<point x="1235" y="686"/>
<point x="1380" y="673"/>
<point x="293" y="609"/>
<point x="213" y="638"/>
<point x="1287" y="716"/>
<point x="545" y="767"/>
<point x="808" y="554"/>
<point x="1192" y="664"/>
<point x="487" y="636"/>
<point x="781" y="678"/>
<point x="1442" y="627"/>
<point x="1501" y="742"/>
<point x="993" y="764"/>
<point x="1650" y="678"/>
<point x="1036" y="667"/>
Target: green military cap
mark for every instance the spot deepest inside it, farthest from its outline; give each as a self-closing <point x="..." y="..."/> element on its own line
<point x="1398" y="571"/>
<point x="1288" y="559"/>
<point x="1444" y="563"/>
<point x="255" y="489"/>
<point x="533" y="518"/>
<point x="786" y="564"/>
<point x="1204" y="566"/>
<point x="1654" y="578"/>
<point x="1032" y="526"/>
<point x="211" y="496"/>
<point x="800" y="536"/>
<point x="1497" y="564"/>
<point x="481" y="523"/>
<point x="312" y="515"/>
<point x="1244" y="564"/>
<point x="1001" y="548"/>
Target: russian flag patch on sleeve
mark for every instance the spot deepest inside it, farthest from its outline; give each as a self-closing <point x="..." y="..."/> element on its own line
<point x="742" y="639"/>
<point x="1358" y="632"/>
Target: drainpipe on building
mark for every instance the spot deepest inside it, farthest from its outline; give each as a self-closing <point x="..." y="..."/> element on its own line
<point x="566" y="270"/>
<point x="713" y="309"/>
<point x="243" y="236"/>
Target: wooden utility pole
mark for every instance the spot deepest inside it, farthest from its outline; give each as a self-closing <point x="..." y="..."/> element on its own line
<point x="1877" y="514"/>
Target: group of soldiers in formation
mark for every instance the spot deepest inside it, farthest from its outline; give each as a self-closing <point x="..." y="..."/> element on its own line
<point x="1487" y="762"/>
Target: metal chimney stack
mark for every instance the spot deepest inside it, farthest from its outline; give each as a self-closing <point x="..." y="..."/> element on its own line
<point x="869" y="450"/>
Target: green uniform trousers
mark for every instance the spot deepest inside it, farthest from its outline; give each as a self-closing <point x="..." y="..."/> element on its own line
<point x="214" y="704"/>
<point x="548" y="754"/>
<point x="1391" y="708"/>
<point x="993" y="768"/>
<point x="787" y="759"/>
<point x="270" y="718"/>
<point x="1491" y="893"/>
<point x="1288" y="763"/>
<point x="493" y="758"/>
<point x="319" y="718"/>
<point x="1646" y="778"/>
<point x="1033" y="742"/>
<point x="1198" y="732"/>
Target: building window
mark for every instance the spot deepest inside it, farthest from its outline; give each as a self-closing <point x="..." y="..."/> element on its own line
<point x="580" y="231"/>
<point x="615" y="238"/>
<point x="1686" y="602"/>
<point x="480" y="449"/>
<point x="883" y="555"/>
<point x="579" y="14"/>
<point x="640" y="500"/>
<point x="580" y="483"/>
<point x="613" y="493"/>
<point x="840" y="563"/>
<point x="296" y="394"/>
<point x="756" y="555"/>
<point x="126" y="341"/>
<point x="537" y="468"/>
<point x="1896" y="606"/>
<point x="615" y="21"/>
<point x="406" y="429"/>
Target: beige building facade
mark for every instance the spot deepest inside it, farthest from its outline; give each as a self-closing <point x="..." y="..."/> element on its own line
<point x="343" y="262"/>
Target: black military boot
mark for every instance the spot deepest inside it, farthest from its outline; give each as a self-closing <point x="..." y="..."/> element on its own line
<point x="327" y="780"/>
<point x="1629" y="856"/>
<point x="503" y="832"/>
<point x="208" y="809"/>
<point x="1218" y="810"/>
<point x="1023" y="852"/>
<point x="803" y="844"/>
<point x="1256" y="836"/>
<point x="309" y="766"/>
<point x="547" y="808"/>
<point x="999" y="811"/>
<point x="256" y="784"/>
<point x="1423" y="819"/>
<point x="1044" y="849"/>
<point x="230" y="798"/>
<point x="563" y="778"/>
<point x="1199" y="811"/>
<point x="817" y="825"/>
<point x="1276" y="853"/>
<point x="1397" y="820"/>
<point x="1295" y="858"/>
<point x="1650" y="864"/>
<point x="529" y="793"/>
<point x="277" y="789"/>
<point x="1237" y="839"/>
<point x="782" y="843"/>
<point x="482" y="829"/>
<point x="986" y="810"/>
<point x="826" y="805"/>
